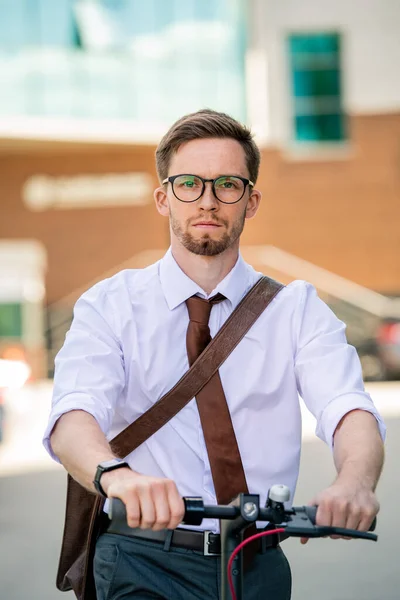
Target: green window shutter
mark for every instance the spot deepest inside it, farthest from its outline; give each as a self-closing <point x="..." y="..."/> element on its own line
<point x="316" y="87"/>
<point x="10" y="320"/>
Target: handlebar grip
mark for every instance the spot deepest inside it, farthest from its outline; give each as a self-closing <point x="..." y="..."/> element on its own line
<point x="117" y="511"/>
<point x="311" y="512"/>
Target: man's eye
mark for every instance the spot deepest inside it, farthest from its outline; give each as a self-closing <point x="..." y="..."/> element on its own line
<point x="187" y="182"/>
<point x="228" y="184"/>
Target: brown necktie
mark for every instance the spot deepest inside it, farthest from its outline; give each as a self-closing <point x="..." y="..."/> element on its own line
<point x="223" y="452"/>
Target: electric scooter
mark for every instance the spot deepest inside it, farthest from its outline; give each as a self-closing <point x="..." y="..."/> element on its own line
<point x="238" y="515"/>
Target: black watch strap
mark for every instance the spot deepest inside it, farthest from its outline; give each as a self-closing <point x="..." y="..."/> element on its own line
<point x="105" y="467"/>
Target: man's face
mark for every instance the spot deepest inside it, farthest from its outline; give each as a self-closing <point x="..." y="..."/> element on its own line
<point x="207" y="226"/>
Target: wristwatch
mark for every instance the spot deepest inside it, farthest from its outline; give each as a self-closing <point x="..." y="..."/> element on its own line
<point x="105" y="467"/>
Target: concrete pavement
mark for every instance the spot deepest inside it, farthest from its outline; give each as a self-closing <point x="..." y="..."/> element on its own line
<point x="32" y="495"/>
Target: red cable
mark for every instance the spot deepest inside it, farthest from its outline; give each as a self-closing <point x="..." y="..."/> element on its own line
<point x="238" y="549"/>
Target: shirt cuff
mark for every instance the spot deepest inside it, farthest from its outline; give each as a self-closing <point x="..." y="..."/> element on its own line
<point x="339" y="407"/>
<point x="70" y="402"/>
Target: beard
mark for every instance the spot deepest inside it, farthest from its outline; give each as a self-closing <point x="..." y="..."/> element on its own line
<point x="206" y="246"/>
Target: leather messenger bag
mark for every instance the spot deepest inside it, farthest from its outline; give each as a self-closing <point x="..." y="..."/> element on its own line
<point x="83" y="508"/>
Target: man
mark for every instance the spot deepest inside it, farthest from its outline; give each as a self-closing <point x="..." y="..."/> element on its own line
<point x="127" y="348"/>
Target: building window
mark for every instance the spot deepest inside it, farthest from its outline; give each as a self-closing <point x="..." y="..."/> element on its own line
<point x="10" y="320"/>
<point x="316" y="86"/>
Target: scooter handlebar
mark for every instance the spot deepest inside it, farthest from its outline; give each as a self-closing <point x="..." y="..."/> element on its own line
<point x="298" y="521"/>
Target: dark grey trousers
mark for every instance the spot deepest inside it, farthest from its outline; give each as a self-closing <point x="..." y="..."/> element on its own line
<point x="130" y="568"/>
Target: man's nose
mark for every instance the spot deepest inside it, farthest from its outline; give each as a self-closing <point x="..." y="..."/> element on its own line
<point x="208" y="201"/>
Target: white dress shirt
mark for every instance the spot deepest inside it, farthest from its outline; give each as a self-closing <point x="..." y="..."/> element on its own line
<point x="127" y="348"/>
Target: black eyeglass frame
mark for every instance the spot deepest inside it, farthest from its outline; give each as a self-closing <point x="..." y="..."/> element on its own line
<point x="172" y="178"/>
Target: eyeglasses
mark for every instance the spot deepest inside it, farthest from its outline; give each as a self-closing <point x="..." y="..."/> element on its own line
<point x="226" y="188"/>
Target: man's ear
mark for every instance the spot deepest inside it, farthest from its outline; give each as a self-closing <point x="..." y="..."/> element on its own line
<point x="253" y="204"/>
<point x="161" y="201"/>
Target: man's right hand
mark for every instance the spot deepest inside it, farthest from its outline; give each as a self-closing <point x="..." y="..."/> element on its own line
<point x="151" y="502"/>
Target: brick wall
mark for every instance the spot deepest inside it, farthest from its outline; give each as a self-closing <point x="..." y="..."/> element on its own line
<point x="342" y="214"/>
<point x="81" y="244"/>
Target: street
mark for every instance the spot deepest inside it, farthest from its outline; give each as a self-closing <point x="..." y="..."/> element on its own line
<point x="32" y="492"/>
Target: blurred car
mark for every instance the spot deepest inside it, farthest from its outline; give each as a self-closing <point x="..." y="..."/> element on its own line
<point x="380" y="356"/>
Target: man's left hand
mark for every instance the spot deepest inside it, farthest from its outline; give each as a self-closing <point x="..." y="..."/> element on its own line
<point x="348" y="505"/>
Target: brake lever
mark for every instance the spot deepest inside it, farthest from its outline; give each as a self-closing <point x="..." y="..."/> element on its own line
<point x="311" y="512"/>
<point x="299" y="524"/>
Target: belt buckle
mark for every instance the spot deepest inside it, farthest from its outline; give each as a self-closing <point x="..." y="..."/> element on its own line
<point x="207" y="543"/>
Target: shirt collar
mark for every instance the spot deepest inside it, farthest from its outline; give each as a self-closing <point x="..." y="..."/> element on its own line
<point x="178" y="287"/>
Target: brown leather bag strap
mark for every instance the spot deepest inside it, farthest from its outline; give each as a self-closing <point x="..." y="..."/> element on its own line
<point x="209" y="361"/>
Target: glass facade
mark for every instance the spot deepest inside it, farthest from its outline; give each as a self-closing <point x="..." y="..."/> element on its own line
<point x="316" y="85"/>
<point x="145" y="61"/>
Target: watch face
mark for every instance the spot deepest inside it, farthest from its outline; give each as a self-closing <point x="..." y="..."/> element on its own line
<point x="106" y="464"/>
<point x="103" y="467"/>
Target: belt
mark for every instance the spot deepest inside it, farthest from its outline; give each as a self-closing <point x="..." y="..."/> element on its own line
<point x="207" y="542"/>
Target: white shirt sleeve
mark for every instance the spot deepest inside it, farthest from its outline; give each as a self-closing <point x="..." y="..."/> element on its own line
<point x="328" y="370"/>
<point x="89" y="369"/>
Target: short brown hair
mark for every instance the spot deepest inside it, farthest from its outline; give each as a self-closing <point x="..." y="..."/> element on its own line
<point x="206" y="123"/>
